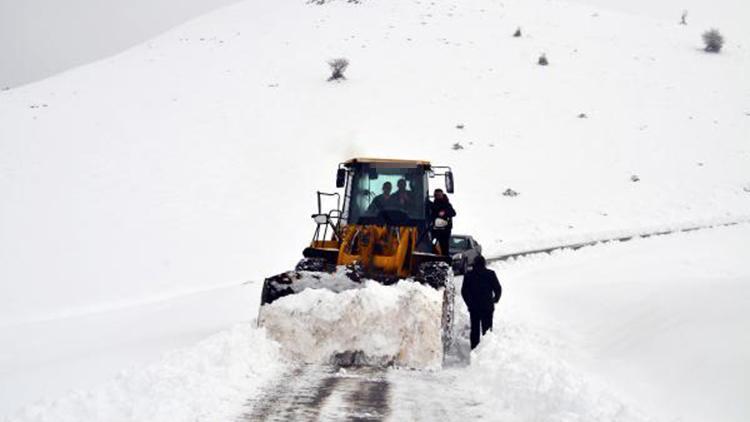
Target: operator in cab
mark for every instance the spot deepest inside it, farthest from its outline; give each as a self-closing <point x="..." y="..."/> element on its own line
<point x="381" y="201"/>
<point x="402" y="199"/>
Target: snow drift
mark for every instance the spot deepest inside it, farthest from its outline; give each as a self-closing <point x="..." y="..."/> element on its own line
<point x="206" y="382"/>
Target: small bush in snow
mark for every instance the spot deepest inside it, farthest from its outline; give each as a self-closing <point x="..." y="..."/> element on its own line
<point x="713" y="40"/>
<point x="517" y="33"/>
<point x="543" y="60"/>
<point x="510" y="192"/>
<point x="635" y="178"/>
<point x="457" y="146"/>
<point x="338" y="66"/>
<point x="683" y="19"/>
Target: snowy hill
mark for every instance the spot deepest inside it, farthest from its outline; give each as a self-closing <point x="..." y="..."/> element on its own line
<point x="190" y="162"/>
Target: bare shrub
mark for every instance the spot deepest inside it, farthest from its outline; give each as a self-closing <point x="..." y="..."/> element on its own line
<point x="517" y="33"/>
<point x="683" y="19"/>
<point x="338" y="66"/>
<point x="713" y="40"/>
<point x="543" y="60"/>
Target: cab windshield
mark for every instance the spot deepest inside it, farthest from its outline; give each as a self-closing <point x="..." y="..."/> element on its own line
<point x="380" y="193"/>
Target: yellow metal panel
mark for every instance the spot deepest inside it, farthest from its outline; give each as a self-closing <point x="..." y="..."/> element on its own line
<point x="379" y="249"/>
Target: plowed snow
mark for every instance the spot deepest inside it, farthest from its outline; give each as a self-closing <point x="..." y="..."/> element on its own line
<point x="397" y="324"/>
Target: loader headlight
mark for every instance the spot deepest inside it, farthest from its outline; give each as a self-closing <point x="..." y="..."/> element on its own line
<point x="320" y="218"/>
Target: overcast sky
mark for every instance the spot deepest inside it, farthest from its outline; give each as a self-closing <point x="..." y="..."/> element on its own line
<point x="39" y="38"/>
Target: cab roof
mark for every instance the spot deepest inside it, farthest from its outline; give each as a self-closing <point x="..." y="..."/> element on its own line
<point x="387" y="162"/>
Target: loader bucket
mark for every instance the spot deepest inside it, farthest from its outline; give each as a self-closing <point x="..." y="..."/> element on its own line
<point x="344" y="318"/>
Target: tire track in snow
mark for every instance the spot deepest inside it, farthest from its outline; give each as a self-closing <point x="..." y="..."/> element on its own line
<point x="315" y="392"/>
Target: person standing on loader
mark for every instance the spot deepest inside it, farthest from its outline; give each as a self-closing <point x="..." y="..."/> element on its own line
<point x="442" y="213"/>
<point x="481" y="290"/>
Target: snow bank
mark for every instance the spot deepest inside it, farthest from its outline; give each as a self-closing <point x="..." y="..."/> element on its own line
<point x="398" y="323"/>
<point x="208" y="382"/>
<point x="523" y="378"/>
<point x="664" y="322"/>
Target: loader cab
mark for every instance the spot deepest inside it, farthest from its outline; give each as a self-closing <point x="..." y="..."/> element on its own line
<point x="386" y="192"/>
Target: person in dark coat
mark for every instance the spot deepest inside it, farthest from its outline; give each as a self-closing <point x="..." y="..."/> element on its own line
<point x="402" y="199"/>
<point x="441" y="213"/>
<point x="381" y="201"/>
<point x="481" y="290"/>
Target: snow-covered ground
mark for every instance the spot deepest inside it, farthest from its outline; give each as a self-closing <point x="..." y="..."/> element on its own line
<point x="661" y="324"/>
<point x="45" y="359"/>
<point x="652" y="329"/>
<point x="135" y="190"/>
<point x="191" y="161"/>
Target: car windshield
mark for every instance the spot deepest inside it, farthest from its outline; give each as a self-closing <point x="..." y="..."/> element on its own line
<point x="399" y="190"/>
<point x="459" y="244"/>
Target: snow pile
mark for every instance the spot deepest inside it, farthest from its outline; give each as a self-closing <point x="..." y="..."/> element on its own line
<point x="397" y="324"/>
<point x="523" y="378"/>
<point x="208" y="382"/>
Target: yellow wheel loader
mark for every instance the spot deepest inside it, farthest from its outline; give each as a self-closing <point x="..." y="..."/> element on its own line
<point x="378" y="229"/>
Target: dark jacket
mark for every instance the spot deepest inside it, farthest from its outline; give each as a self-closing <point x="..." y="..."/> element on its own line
<point x="481" y="290"/>
<point x="436" y="206"/>
<point x="379" y="203"/>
